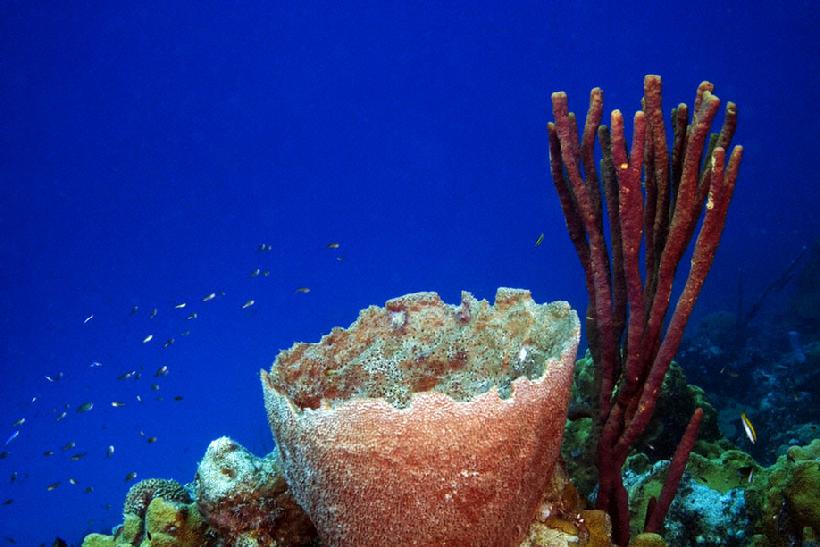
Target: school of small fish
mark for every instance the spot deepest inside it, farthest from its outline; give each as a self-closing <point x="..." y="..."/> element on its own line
<point x="70" y="449"/>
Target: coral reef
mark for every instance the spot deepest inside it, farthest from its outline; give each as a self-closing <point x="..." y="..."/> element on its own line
<point x="676" y="404"/>
<point x="730" y="500"/>
<point x="699" y="515"/>
<point x="246" y="500"/>
<point x="425" y="423"/>
<point x="163" y="523"/>
<point x="764" y="379"/>
<point x="786" y="498"/>
<point x="631" y="339"/>
<point x="236" y="499"/>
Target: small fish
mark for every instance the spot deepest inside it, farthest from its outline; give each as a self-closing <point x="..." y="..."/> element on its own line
<point x="131" y="476"/>
<point x="127" y="375"/>
<point x="168" y="343"/>
<point x="19" y="422"/>
<point x="62" y="416"/>
<point x="147" y="338"/>
<point x="53" y="486"/>
<point x="248" y="304"/>
<point x="134" y="310"/>
<point x="48" y="453"/>
<point x="117" y="404"/>
<point x="151" y="440"/>
<point x="185" y="333"/>
<point x="95" y="364"/>
<point x="69" y="445"/>
<point x="78" y="456"/>
<point x="522" y="355"/>
<point x="264" y="247"/>
<point x="303" y="290"/>
<point x="180" y="305"/>
<point x="72" y="481"/>
<point x="109" y="451"/>
<point x="55" y="378"/>
<point x="209" y="297"/>
<point x="334" y="245"/>
<point x="87" y="319"/>
<point x="8" y="501"/>
<point x="540" y="239"/>
<point x="162" y="371"/>
<point x="154" y="387"/>
<point x="4" y="454"/>
<point x="193" y="315"/>
<point x="748" y="428"/>
<point x="751" y="475"/>
<point x="12" y="437"/>
<point x="256" y="272"/>
<point x="153" y="313"/>
<point x="89" y="490"/>
<point x="139" y="398"/>
<point x="13" y="477"/>
<point x="34" y="399"/>
<point x="177" y="397"/>
<point x="266" y="273"/>
<point x="85" y="407"/>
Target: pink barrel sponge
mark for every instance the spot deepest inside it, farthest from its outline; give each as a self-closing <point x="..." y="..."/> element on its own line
<point x="424" y="423"/>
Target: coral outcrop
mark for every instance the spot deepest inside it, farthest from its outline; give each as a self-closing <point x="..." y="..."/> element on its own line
<point x="236" y="499"/>
<point x="246" y="500"/>
<point x="426" y="424"/>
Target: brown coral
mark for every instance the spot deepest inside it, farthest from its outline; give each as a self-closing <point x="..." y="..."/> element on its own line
<point x="374" y="461"/>
<point x="140" y="495"/>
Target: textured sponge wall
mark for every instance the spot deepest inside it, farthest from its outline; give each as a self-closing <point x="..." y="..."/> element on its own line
<point x="429" y="469"/>
<point x="417" y="343"/>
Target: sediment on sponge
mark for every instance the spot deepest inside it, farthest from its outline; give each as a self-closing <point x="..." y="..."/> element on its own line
<point x="416" y="343"/>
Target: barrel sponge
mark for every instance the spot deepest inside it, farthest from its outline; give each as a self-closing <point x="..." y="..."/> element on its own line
<point x="424" y="423"/>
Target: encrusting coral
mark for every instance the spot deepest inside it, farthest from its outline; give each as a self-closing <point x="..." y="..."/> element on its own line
<point x="426" y="424"/>
<point x="246" y="499"/>
<point x="140" y="495"/>
<point x="238" y="499"/>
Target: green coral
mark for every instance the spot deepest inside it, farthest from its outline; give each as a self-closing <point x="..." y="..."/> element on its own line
<point x="157" y="513"/>
<point x="169" y="524"/>
<point x="731" y="469"/>
<point x="786" y="498"/>
<point x="99" y="540"/>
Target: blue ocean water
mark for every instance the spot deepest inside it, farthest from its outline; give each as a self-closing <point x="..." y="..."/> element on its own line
<point x="148" y="150"/>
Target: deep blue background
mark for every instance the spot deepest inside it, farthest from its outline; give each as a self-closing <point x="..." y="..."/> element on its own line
<point x="147" y="151"/>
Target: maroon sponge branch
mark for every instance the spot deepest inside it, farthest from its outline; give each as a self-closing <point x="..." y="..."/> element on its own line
<point x="657" y="511"/>
<point x="656" y="193"/>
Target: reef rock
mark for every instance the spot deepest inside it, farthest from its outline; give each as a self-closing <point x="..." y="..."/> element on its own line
<point x="425" y="423"/>
<point x="246" y="500"/>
